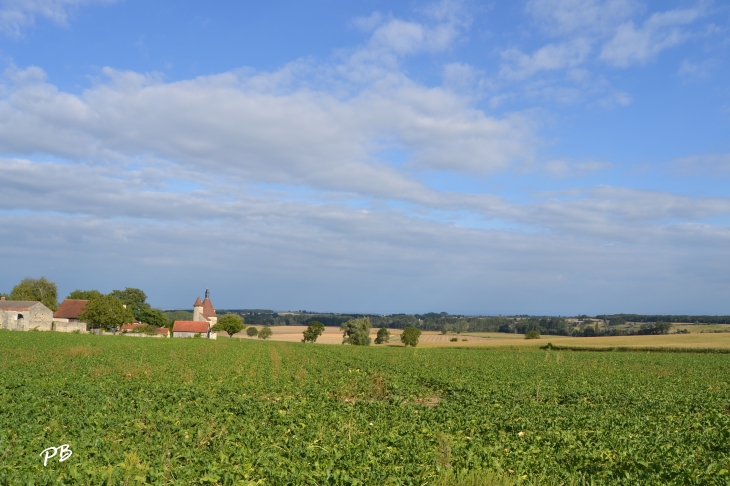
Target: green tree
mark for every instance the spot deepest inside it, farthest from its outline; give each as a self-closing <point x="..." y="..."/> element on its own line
<point x="356" y="332"/>
<point x="134" y="299"/>
<point x="313" y="331"/>
<point x="383" y="336"/>
<point x="106" y="312"/>
<point x="230" y="323"/>
<point x="40" y="289"/>
<point x="265" y="332"/>
<point x="84" y="294"/>
<point x="153" y="317"/>
<point x="252" y="332"/>
<point x="534" y="334"/>
<point x="410" y="336"/>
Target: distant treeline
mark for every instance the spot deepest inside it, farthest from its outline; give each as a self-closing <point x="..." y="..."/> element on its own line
<point x="584" y="326"/>
<point x="622" y="318"/>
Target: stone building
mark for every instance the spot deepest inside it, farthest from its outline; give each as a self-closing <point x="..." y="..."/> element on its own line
<point x="25" y="315"/>
<point x="204" y="311"/>
<point x="204" y="317"/>
<point x="66" y="317"/>
<point x="183" y="329"/>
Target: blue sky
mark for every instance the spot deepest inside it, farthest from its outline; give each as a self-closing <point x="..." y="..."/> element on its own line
<point x="539" y="157"/>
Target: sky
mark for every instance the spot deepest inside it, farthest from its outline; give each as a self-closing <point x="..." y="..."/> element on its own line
<point x="543" y="157"/>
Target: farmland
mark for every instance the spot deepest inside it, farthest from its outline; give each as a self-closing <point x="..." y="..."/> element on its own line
<point x="193" y="411"/>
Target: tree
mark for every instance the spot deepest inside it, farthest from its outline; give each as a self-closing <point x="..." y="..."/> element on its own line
<point x="533" y="334"/>
<point x="134" y="299"/>
<point x="40" y="289"/>
<point x="313" y="331"/>
<point x="356" y="332"/>
<point x="84" y="294"/>
<point x="106" y="312"/>
<point x="383" y="336"/>
<point x="230" y="323"/>
<point x="265" y="332"/>
<point x="252" y="332"/>
<point x="153" y="317"/>
<point x="410" y="336"/>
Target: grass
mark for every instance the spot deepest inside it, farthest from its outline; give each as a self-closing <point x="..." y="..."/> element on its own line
<point x="193" y="411"/>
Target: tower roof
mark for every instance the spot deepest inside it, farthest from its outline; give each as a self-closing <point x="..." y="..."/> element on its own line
<point x="208" y="310"/>
<point x="198" y="302"/>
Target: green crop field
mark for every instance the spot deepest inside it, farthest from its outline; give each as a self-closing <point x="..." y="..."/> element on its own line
<point x="190" y="411"/>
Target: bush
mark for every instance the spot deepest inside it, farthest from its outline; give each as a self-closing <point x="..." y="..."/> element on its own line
<point x="532" y="335"/>
<point x="252" y="332"/>
<point x="453" y="340"/>
<point x="265" y="332"/>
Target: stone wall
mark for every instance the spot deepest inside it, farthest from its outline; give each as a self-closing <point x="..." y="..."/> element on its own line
<point x="65" y="326"/>
<point x="40" y="317"/>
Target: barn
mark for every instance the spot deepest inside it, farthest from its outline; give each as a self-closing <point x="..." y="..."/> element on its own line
<point x="25" y="315"/>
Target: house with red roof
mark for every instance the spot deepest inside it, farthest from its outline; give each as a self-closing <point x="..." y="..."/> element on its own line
<point x="204" y="317"/>
<point x="66" y="317"/>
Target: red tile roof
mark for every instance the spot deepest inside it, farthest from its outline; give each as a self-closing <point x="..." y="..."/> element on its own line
<point x="208" y="310"/>
<point x="130" y="327"/>
<point x="70" y="309"/>
<point x="191" y="326"/>
<point x="198" y="302"/>
<point x="163" y="330"/>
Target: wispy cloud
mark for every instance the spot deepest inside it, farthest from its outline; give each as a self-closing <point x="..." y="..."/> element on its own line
<point x="15" y="15"/>
<point x="631" y="44"/>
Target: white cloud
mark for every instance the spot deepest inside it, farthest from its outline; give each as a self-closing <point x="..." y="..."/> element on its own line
<point x="550" y="57"/>
<point x="17" y="14"/>
<point x="631" y="44"/>
<point x="701" y="165"/>
<point x="568" y="17"/>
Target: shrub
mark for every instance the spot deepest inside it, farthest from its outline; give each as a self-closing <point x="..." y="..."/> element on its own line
<point x="453" y="340"/>
<point x="532" y="335"/>
<point x="252" y="332"/>
<point x="265" y="332"/>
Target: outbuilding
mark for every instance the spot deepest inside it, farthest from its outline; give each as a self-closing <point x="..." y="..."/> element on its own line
<point x="66" y="317"/>
<point x="25" y="315"/>
<point x="183" y="329"/>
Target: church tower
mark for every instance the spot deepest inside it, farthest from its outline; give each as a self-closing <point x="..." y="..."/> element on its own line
<point x="198" y="310"/>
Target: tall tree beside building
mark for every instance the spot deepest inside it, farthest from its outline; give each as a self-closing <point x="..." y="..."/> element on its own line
<point x="134" y="299"/>
<point x="230" y="323"/>
<point x="84" y="294"/>
<point x="106" y="312"/>
<point x="40" y="289"/>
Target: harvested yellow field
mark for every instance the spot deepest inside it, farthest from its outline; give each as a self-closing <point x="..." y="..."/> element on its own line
<point x="333" y="335"/>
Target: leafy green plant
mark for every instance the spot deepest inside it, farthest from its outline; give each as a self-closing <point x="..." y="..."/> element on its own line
<point x="194" y="411"/>
<point x="265" y="332"/>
